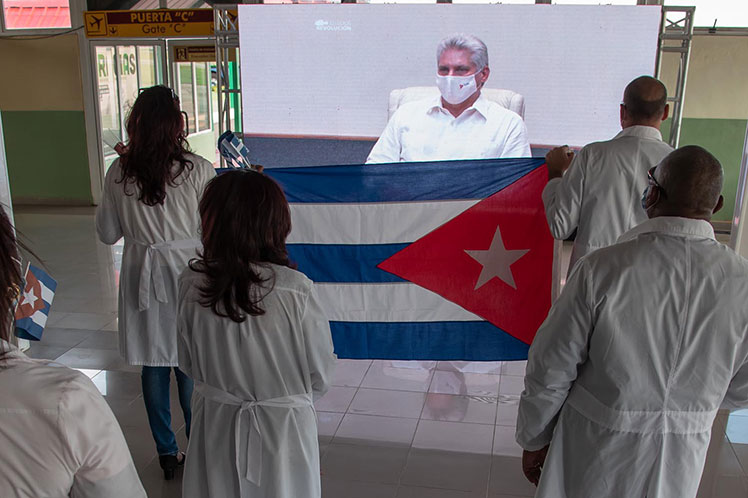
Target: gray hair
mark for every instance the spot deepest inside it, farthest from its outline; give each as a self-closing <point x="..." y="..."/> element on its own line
<point x="462" y="41"/>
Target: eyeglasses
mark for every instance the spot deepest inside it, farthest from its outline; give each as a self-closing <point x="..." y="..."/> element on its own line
<point x="652" y="179"/>
<point x="173" y="93"/>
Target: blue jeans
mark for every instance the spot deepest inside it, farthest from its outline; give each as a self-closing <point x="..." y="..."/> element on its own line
<point x="157" y="404"/>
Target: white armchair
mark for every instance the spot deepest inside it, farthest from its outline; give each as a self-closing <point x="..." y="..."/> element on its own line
<point x="505" y="98"/>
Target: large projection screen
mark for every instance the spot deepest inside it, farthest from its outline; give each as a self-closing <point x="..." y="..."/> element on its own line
<point x="327" y="70"/>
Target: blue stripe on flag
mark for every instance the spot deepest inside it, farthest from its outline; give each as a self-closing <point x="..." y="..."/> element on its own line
<point x="28" y="329"/>
<point x="469" y="341"/>
<point x="43" y="278"/>
<point x="401" y="182"/>
<point x="344" y="262"/>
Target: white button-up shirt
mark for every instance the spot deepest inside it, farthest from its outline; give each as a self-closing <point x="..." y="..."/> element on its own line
<point x="600" y="193"/>
<point x="647" y="340"/>
<point x="425" y="131"/>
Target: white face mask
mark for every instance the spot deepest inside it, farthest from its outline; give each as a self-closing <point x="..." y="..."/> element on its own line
<point x="456" y="89"/>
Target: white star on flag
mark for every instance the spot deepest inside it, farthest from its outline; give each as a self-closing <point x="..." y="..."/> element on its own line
<point x="29" y="298"/>
<point x="496" y="261"/>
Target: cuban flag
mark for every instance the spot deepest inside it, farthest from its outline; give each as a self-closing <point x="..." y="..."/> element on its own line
<point x="448" y="260"/>
<point x="34" y="304"/>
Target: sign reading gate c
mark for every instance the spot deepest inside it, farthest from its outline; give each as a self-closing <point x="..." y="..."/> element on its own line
<point x="148" y="23"/>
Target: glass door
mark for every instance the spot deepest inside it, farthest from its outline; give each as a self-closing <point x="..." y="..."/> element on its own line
<point x="121" y="69"/>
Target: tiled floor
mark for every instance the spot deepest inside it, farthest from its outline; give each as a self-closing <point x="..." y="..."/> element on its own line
<point x="387" y="428"/>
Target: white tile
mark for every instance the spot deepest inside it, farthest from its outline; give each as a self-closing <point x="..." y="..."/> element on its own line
<point x="335" y="488"/>
<point x="327" y="423"/>
<point x="506" y="413"/>
<point x="737" y="429"/>
<point x="364" y="463"/>
<point x="350" y="373"/>
<point x="454" y="436"/>
<point x="465" y="383"/>
<point x="488" y="367"/>
<point x="124" y="385"/>
<point x="510" y="384"/>
<point x="455" y="408"/>
<point x="405" y="404"/>
<point x="375" y="430"/>
<point x="516" y="368"/>
<point x="99" y="359"/>
<point x="504" y="443"/>
<point x="92" y="321"/>
<point x="507" y="478"/>
<point x="399" y="375"/>
<point x="447" y="470"/>
<point x="423" y="492"/>
<point x="741" y="451"/>
<point x="336" y="399"/>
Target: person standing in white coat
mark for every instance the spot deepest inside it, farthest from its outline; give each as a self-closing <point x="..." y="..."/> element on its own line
<point x="647" y="340"/>
<point x="58" y="436"/>
<point x="255" y="340"/>
<point x="151" y="196"/>
<point x="597" y="191"/>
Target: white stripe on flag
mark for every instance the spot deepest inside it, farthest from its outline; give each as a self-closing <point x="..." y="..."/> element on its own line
<point x="47" y="293"/>
<point x="391" y="302"/>
<point x="39" y="318"/>
<point x="375" y="223"/>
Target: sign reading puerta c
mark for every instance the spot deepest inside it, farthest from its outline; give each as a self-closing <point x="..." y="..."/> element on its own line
<point x="149" y="23"/>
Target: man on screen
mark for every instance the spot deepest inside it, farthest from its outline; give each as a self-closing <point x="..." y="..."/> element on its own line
<point x="461" y="123"/>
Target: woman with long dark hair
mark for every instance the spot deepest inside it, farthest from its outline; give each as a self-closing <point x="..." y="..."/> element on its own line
<point x="255" y="340"/>
<point x="151" y="196"/>
<point x="57" y="434"/>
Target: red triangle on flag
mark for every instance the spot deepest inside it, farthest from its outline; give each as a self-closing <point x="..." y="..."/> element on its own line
<point x="463" y="262"/>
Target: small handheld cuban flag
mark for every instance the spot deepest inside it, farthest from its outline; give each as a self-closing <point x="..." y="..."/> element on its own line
<point x="233" y="151"/>
<point x="34" y="304"/>
<point x="449" y="260"/>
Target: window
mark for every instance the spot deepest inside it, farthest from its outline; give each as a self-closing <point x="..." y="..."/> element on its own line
<point x="193" y="86"/>
<point x="727" y="13"/>
<point x="36" y="14"/>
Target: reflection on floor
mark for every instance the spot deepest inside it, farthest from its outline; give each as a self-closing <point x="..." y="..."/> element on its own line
<point x="386" y="429"/>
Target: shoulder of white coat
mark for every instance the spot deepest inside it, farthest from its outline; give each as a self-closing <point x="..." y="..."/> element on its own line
<point x="54" y="383"/>
<point x="291" y="280"/>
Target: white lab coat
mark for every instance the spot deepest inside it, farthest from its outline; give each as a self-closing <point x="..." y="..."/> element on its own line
<point x="159" y="241"/>
<point x="625" y="376"/>
<point x="263" y="371"/>
<point x="600" y="194"/>
<point x="58" y="436"/>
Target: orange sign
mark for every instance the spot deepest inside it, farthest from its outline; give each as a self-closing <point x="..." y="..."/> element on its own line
<point x="149" y="23"/>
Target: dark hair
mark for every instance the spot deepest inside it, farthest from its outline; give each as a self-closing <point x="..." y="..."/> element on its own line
<point x="10" y="274"/>
<point x="156" y="141"/>
<point x="645" y="98"/>
<point x="245" y="222"/>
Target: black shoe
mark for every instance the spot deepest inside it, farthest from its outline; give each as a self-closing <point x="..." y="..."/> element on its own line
<point x="169" y="464"/>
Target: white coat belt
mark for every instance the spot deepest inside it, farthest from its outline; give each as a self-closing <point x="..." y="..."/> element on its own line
<point x="247" y="410"/>
<point x="151" y="274"/>
<point x="641" y="422"/>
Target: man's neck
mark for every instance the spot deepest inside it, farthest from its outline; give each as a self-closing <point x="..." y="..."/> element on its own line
<point x="457" y="109"/>
<point x="651" y="124"/>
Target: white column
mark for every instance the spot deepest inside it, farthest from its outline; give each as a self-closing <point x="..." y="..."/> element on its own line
<point x="739" y="233"/>
<point x="4" y="182"/>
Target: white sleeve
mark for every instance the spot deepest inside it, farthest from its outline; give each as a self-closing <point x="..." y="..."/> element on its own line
<point x="183" y="335"/>
<point x="388" y="147"/>
<point x="318" y="341"/>
<point x="108" y="225"/>
<point x="562" y="198"/>
<point x="737" y="393"/>
<point x="559" y="348"/>
<point x="105" y="467"/>
<point x="516" y="143"/>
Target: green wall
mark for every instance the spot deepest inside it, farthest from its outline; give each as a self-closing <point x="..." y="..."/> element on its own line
<point x="47" y="157"/>
<point x="724" y="138"/>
